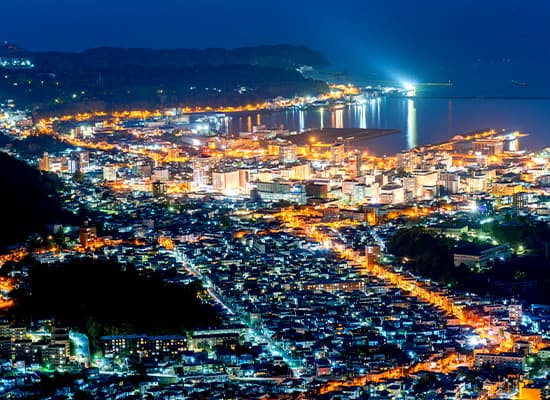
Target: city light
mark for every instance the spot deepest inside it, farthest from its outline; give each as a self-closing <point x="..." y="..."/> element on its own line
<point x="296" y="260"/>
<point x="409" y="86"/>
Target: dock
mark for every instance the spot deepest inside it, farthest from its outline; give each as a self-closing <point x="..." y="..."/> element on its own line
<point x="332" y="135"/>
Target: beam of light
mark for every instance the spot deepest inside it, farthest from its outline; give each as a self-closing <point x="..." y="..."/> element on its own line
<point x="408" y="86"/>
<point x="412" y="132"/>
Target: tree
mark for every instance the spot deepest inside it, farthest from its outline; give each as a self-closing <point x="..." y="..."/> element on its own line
<point x="426" y="382"/>
<point x="426" y="255"/>
<point x="103" y="298"/>
<point x="78" y="177"/>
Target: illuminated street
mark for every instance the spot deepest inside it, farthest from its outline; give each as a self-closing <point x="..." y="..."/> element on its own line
<point x="276" y="201"/>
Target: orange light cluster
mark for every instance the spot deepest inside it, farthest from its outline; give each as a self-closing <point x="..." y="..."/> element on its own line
<point x="293" y="218"/>
<point x="166" y="242"/>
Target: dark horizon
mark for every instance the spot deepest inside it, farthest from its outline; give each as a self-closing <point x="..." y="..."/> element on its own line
<point x="427" y="41"/>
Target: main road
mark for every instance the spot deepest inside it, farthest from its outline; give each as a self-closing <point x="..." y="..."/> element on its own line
<point x="435" y="296"/>
<point x="259" y="337"/>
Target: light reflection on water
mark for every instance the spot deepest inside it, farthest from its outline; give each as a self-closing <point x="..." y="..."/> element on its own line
<point x="412" y="128"/>
<point x="420" y="121"/>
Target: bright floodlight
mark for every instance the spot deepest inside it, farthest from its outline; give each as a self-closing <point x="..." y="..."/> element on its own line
<point x="409" y="86"/>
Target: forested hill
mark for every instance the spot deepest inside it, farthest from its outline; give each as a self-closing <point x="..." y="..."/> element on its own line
<point x="106" y="79"/>
<point x="29" y="201"/>
<point x="277" y="56"/>
<point x="105" y="298"/>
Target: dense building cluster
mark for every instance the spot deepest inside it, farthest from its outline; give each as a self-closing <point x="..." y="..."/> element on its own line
<point x="289" y="234"/>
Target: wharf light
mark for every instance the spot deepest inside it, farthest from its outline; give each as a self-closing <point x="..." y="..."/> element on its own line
<point x="408" y="86"/>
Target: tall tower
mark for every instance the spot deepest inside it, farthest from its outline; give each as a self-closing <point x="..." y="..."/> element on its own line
<point x="202" y="172"/>
<point x="287" y="153"/>
<point x="515" y="312"/>
<point x="354" y="164"/>
<point x="158" y="188"/>
<point x="44" y="162"/>
<point x="337" y="152"/>
<point x="88" y="235"/>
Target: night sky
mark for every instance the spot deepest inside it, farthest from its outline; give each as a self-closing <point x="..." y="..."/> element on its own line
<point x="419" y="40"/>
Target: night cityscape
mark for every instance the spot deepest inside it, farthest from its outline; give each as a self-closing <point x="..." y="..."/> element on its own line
<point x="274" y="200"/>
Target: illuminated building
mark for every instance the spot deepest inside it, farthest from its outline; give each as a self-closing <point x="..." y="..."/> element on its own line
<point x="355" y="162"/>
<point x="160" y="174"/>
<point x="287" y="153"/>
<point x="88" y="235"/>
<point x="58" y="164"/>
<point x="338" y="153"/>
<point x="59" y="349"/>
<point x="508" y="360"/>
<point x="519" y="201"/>
<point x="505" y="188"/>
<point x="355" y="191"/>
<point x="449" y="230"/>
<point x="158" y="188"/>
<point x="408" y="160"/>
<point x="300" y="171"/>
<point x="480" y="258"/>
<point x="202" y="339"/>
<point x="544" y="353"/>
<point x="373" y="253"/>
<point x="244" y="178"/>
<point x="488" y="147"/>
<point x="143" y="169"/>
<point x="411" y="190"/>
<point x="109" y="173"/>
<point x="80" y="161"/>
<point x="322" y="367"/>
<point x="22" y="350"/>
<point x="74" y="163"/>
<point x="534" y="391"/>
<point x="260" y="176"/>
<point x="226" y="181"/>
<point x="5" y="347"/>
<point x="144" y="345"/>
<point x="202" y="172"/>
<point x="392" y="194"/>
<point x="425" y="178"/>
<point x="316" y="190"/>
<point x="275" y="191"/>
<point x="334" y="286"/>
<point x="421" y="185"/>
<point x="515" y="312"/>
<point x="84" y="131"/>
<point x="476" y="184"/>
<point x="44" y="162"/>
<point x="449" y="182"/>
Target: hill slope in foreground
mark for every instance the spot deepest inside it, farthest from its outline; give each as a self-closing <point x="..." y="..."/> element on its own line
<point x="29" y="201"/>
<point x="105" y="298"/>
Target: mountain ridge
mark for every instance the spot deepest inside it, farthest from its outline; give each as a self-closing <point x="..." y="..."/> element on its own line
<point x="112" y="78"/>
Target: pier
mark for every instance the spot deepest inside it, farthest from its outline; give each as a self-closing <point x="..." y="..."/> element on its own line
<point x="332" y="135"/>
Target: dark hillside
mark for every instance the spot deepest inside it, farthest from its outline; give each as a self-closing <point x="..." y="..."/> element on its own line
<point x="29" y="201"/>
<point x="108" y="79"/>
